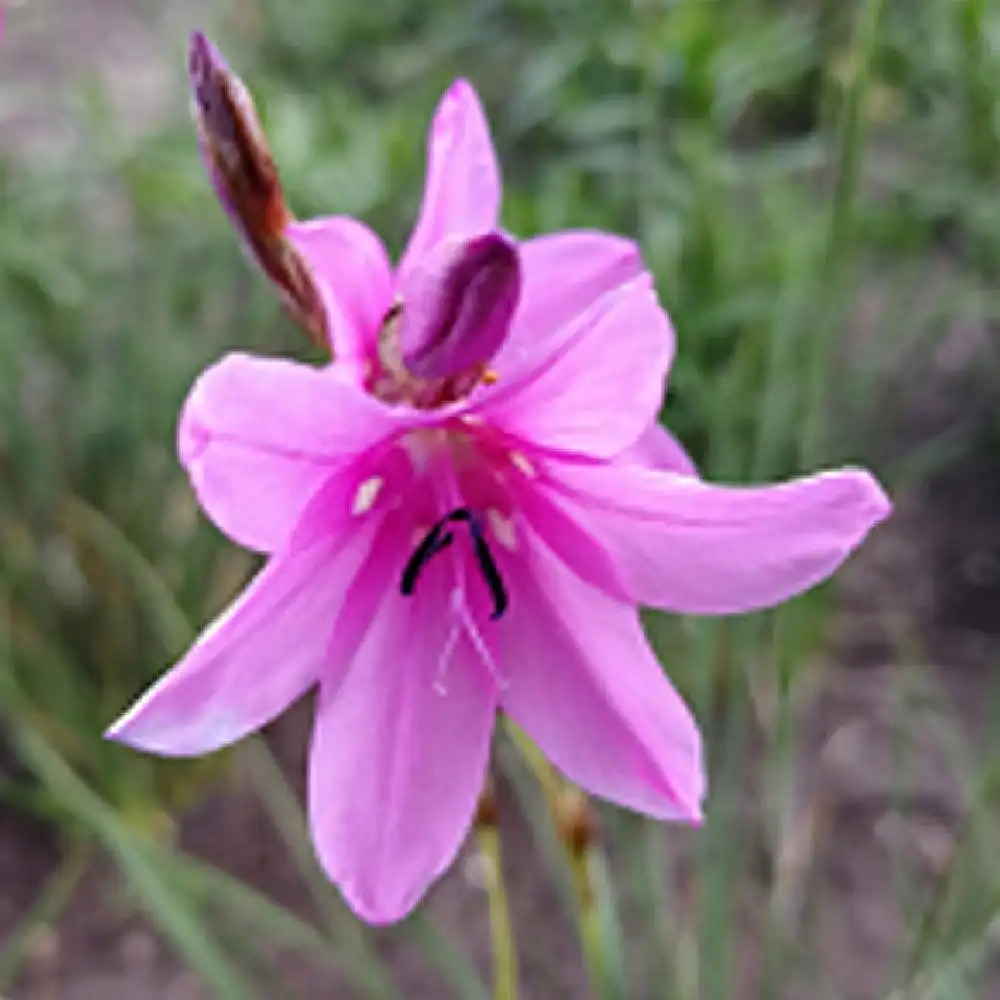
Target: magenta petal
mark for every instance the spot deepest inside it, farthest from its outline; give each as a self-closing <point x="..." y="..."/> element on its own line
<point x="657" y="448"/>
<point x="584" y="684"/>
<point x="462" y="188"/>
<point x="261" y="654"/>
<point x="564" y="275"/>
<point x="352" y="271"/>
<point x="399" y="753"/>
<point x="259" y="437"/>
<point x="601" y="390"/>
<point x="689" y="546"/>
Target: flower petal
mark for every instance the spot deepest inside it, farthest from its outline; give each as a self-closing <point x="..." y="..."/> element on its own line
<point x="258" y="437"/>
<point x="564" y="275"/>
<point x="584" y="684"/>
<point x="352" y="271"/>
<point x="690" y="546"/>
<point x="462" y="189"/>
<point x="400" y="747"/>
<point x="657" y="448"/>
<point x="261" y="654"/>
<point x="600" y="391"/>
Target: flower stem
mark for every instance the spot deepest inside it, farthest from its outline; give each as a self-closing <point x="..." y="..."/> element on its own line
<point x="501" y="931"/>
<point x="573" y="819"/>
<point x="589" y="920"/>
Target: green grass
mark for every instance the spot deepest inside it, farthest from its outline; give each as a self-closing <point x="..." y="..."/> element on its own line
<point x="778" y="160"/>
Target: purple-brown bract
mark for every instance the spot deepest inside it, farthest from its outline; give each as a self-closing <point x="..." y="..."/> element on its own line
<point x="441" y="552"/>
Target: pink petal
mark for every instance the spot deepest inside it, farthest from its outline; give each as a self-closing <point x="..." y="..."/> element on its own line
<point x="657" y="448"/>
<point x="689" y="546"/>
<point x="574" y="545"/>
<point x="564" y="275"/>
<point x="260" y="655"/>
<point x="352" y="271"/>
<point x="601" y="390"/>
<point x="584" y="684"/>
<point x="400" y="748"/>
<point x="259" y="437"/>
<point x="462" y="189"/>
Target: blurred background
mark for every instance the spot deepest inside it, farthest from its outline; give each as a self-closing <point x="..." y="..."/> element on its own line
<point x="815" y="186"/>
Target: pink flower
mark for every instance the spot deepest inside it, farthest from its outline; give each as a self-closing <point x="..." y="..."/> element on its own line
<point x="451" y="542"/>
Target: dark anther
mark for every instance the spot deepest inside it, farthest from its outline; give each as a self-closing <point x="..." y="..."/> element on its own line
<point x="433" y="542"/>
<point x="488" y="567"/>
<point x="438" y="539"/>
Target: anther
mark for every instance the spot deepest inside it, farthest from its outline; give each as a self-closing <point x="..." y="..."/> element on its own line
<point x="438" y="539"/>
<point x="488" y="567"/>
<point x="432" y="543"/>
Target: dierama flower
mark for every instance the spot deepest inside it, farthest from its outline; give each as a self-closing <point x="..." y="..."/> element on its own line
<point x="462" y="517"/>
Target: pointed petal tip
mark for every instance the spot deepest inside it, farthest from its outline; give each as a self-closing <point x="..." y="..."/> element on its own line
<point x="456" y="104"/>
<point x="124" y="732"/>
<point x="202" y="54"/>
<point x="462" y="89"/>
<point x="376" y="908"/>
<point x="378" y="913"/>
<point x="872" y="501"/>
<point x="128" y="731"/>
<point x="113" y="733"/>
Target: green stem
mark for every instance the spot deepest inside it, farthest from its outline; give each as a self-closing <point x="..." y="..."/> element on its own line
<point x="501" y="930"/>
<point x="591" y="896"/>
<point x="589" y="919"/>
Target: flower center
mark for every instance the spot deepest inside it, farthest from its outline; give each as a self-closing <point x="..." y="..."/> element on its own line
<point x="452" y="315"/>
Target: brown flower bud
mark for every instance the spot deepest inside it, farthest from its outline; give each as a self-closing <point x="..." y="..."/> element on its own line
<point x="246" y="182"/>
<point x="576" y="821"/>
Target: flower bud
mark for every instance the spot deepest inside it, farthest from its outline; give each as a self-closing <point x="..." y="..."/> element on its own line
<point x="457" y="305"/>
<point x="487" y="808"/>
<point x="576" y="821"/>
<point x="246" y="182"/>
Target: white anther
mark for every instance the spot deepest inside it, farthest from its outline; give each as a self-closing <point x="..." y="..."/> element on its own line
<point x="502" y="529"/>
<point x="523" y="463"/>
<point x="367" y="494"/>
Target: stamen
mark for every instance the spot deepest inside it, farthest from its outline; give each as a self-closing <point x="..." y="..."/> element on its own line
<point x="430" y="546"/>
<point x="464" y="622"/>
<point x="482" y="649"/>
<point x="436" y="540"/>
<point x="366" y="495"/>
<point x="488" y="567"/>
<point x="521" y="462"/>
<point x="502" y="528"/>
<point x="444" y="660"/>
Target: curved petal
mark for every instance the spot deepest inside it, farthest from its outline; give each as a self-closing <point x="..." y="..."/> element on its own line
<point x="352" y="271"/>
<point x="600" y="391"/>
<point x="657" y="448"/>
<point x="584" y="684"/>
<point x="256" y="658"/>
<point x="259" y="437"/>
<point x="564" y="275"/>
<point x="690" y="546"/>
<point x="400" y="748"/>
<point x="462" y="189"/>
<point x="581" y="551"/>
